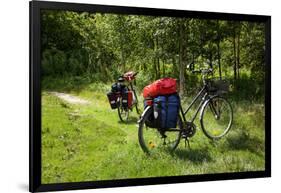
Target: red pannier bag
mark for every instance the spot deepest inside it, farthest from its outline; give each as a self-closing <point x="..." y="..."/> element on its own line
<point x="163" y="86"/>
<point x="130" y="98"/>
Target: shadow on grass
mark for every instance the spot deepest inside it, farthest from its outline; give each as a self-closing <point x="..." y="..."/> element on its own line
<point x="131" y="121"/>
<point x="243" y="141"/>
<point x="196" y="156"/>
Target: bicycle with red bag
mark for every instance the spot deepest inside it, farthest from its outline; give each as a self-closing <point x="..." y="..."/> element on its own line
<point x="163" y="123"/>
<point x="123" y="95"/>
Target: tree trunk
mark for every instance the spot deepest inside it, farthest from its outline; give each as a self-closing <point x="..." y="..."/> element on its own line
<point x="181" y="57"/>
<point x="218" y="47"/>
<point x="156" y="59"/>
<point x="211" y="60"/>
<point x="89" y="64"/>
<point x="163" y="67"/>
<point x="123" y="61"/>
<point x="158" y="67"/>
<point x="234" y="56"/>
<point x="238" y="54"/>
<point x="175" y="68"/>
<point x="155" y="68"/>
<point x="219" y="58"/>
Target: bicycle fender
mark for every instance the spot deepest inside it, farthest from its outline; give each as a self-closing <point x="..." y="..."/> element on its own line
<point x="204" y="104"/>
<point x="144" y="112"/>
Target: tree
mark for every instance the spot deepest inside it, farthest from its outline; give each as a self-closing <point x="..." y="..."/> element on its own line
<point x="103" y="46"/>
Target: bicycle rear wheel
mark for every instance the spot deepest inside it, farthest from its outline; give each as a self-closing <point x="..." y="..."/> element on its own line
<point x="216" y="117"/>
<point x="123" y="113"/>
<point x="151" y="140"/>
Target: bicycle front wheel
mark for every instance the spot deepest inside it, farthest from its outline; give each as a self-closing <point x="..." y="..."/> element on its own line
<point x="216" y="117"/>
<point x="154" y="140"/>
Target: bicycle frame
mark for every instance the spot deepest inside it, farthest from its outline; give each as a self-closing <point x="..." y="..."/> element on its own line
<point x="203" y="92"/>
<point x="134" y="91"/>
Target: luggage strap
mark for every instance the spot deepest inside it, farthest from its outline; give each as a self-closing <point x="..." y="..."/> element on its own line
<point x="166" y="107"/>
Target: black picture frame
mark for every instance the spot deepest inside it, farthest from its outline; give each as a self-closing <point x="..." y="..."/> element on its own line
<point x="35" y="184"/>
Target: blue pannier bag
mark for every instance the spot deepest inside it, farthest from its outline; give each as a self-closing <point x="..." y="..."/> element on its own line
<point x="166" y="109"/>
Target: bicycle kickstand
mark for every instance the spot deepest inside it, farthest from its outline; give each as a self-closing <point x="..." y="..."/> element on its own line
<point x="187" y="142"/>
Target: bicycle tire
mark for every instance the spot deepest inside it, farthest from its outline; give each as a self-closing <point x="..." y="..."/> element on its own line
<point x="120" y="112"/>
<point x="142" y="140"/>
<point x="210" y="104"/>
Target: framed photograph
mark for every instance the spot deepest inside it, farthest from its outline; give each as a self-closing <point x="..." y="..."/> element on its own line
<point x="126" y="96"/>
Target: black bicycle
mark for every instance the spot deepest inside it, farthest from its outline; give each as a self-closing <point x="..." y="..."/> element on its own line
<point x="216" y="116"/>
<point x="125" y="104"/>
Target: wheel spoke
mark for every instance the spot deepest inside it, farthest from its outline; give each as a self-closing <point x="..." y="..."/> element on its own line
<point x="151" y="139"/>
<point x="216" y="118"/>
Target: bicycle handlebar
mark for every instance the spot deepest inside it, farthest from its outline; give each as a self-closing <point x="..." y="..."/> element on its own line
<point x="129" y="76"/>
<point x="203" y="71"/>
<point x="134" y="74"/>
<point x="196" y="71"/>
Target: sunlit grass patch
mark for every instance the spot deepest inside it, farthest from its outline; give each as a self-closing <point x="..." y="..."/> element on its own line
<point x="88" y="142"/>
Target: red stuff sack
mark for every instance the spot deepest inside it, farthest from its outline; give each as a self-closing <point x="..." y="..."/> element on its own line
<point x="163" y="86"/>
<point x="130" y="98"/>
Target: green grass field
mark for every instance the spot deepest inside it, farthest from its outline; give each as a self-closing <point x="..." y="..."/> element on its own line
<point x="89" y="143"/>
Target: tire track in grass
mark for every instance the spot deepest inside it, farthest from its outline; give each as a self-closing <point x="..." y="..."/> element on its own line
<point x="98" y="134"/>
<point x="70" y="98"/>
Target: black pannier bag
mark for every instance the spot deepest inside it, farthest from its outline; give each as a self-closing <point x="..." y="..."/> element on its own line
<point x="117" y="87"/>
<point x="127" y="98"/>
<point x="124" y="99"/>
<point x="112" y="98"/>
<point x="151" y="121"/>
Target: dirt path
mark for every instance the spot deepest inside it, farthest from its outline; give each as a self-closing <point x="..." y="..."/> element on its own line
<point x="70" y="98"/>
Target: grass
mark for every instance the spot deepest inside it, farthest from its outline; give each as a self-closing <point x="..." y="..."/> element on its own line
<point x="89" y="143"/>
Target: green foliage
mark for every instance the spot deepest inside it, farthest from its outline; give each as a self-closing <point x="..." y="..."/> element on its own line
<point x="248" y="89"/>
<point x="53" y="62"/>
<point x="104" y="46"/>
<point x="143" y="79"/>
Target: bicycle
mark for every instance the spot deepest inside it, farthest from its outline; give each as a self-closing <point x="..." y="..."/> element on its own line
<point x="126" y="80"/>
<point x="216" y="117"/>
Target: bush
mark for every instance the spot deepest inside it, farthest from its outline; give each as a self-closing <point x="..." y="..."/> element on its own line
<point x="143" y="79"/>
<point x="247" y="88"/>
<point x="53" y="62"/>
